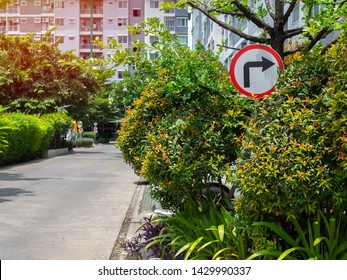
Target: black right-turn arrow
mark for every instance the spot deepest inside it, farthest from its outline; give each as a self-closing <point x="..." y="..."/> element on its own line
<point x="265" y="64"/>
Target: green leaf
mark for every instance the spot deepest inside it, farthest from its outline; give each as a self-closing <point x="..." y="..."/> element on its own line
<point x="192" y="247"/>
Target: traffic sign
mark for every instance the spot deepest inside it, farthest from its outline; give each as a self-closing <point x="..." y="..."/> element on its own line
<point x="254" y="70"/>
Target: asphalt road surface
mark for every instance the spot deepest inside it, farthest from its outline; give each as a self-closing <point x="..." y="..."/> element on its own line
<point x="69" y="207"/>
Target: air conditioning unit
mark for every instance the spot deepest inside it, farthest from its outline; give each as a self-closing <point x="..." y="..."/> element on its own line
<point x="45" y="20"/>
<point x="15" y="20"/>
<point x="37" y="20"/>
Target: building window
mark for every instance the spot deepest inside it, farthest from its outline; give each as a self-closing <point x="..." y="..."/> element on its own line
<point x="72" y="20"/>
<point x="37" y="3"/>
<point x="170" y="24"/>
<point x="123" y="4"/>
<point x="154" y="4"/>
<point x="182" y="22"/>
<point x="295" y="14"/>
<point x="71" y="38"/>
<point x="110" y="20"/>
<point x="120" y="75"/>
<point x="23" y="20"/>
<point x="136" y="12"/>
<point x="59" y="4"/>
<point x="72" y="3"/>
<point x="110" y="3"/>
<point x="315" y="10"/>
<point x="183" y="39"/>
<point x="23" y="3"/>
<point x="37" y="20"/>
<point x="152" y="39"/>
<point x="153" y="56"/>
<point x="59" y="21"/>
<point x="122" y="39"/>
<point x="122" y="21"/>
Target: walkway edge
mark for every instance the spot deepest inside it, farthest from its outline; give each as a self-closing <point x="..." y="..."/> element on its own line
<point x="116" y="253"/>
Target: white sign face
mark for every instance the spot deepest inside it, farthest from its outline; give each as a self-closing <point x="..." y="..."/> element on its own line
<point x="254" y="70"/>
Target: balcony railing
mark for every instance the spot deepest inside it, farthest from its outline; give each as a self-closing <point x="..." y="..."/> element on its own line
<point x="13" y="28"/>
<point x="95" y="11"/>
<point x="87" y="46"/>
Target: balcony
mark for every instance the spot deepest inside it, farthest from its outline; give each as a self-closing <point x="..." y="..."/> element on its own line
<point x="47" y="10"/>
<point x="97" y="12"/>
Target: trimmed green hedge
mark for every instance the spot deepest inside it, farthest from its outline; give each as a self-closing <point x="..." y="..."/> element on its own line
<point x="84" y="142"/>
<point x="30" y="135"/>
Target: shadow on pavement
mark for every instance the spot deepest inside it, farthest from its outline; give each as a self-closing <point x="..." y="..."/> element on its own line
<point x="12" y="192"/>
<point x="17" y="177"/>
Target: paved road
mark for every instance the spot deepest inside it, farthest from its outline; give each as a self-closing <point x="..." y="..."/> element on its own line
<point x="65" y="208"/>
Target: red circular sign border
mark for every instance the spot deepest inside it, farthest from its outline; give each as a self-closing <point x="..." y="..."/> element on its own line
<point x="237" y="56"/>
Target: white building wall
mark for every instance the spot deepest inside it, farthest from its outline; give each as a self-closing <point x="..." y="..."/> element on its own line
<point x="212" y="36"/>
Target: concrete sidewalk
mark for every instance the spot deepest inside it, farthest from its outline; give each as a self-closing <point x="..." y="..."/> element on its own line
<point x="140" y="208"/>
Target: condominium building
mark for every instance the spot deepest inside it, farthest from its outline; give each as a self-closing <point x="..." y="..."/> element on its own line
<point x="81" y="22"/>
<point x="212" y="36"/>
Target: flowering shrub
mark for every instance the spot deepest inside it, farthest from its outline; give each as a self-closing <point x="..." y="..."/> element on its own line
<point x="293" y="157"/>
<point x="181" y="133"/>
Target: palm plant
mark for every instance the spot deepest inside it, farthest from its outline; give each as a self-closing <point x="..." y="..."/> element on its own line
<point x="323" y="239"/>
<point x="203" y="231"/>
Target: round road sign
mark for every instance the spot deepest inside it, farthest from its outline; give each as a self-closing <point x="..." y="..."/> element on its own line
<point x="254" y="70"/>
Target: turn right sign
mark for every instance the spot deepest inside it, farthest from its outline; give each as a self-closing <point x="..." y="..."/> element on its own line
<point x="254" y="70"/>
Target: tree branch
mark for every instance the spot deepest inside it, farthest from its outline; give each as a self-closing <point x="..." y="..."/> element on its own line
<point x="289" y="11"/>
<point x="293" y="32"/>
<point x="227" y="47"/>
<point x="321" y="34"/>
<point x="229" y="27"/>
<point x="224" y="12"/>
<point x="252" y="17"/>
<point x="324" y="49"/>
<point x="269" y="9"/>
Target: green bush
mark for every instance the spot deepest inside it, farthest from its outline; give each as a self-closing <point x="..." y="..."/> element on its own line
<point x="27" y="140"/>
<point x="30" y="135"/>
<point x="59" y="124"/>
<point x="294" y="154"/>
<point x="89" y="134"/>
<point x="84" y="142"/>
<point x="181" y="133"/>
<point x="3" y="132"/>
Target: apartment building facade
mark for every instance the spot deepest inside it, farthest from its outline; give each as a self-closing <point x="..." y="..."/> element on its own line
<point x="212" y="36"/>
<point x="81" y="22"/>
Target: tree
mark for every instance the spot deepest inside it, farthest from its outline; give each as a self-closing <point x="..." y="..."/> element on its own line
<point x="271" y="17"/>
<point x="36" y="77"/>
<point x="123" y="93"/>
<point x="3" y="3"/>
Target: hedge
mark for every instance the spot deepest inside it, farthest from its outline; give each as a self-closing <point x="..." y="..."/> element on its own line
<point x="30" y="135"/>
